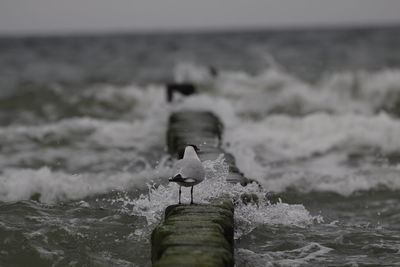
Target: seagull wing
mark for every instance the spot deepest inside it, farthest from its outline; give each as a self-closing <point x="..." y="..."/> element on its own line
<point x="190" y="168"/>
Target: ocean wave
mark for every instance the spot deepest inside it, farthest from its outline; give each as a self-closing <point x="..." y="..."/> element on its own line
<point x="275" y="119"/>
<point x="73" y="143"/>
<point x="50" y="186"/>
<point x="345" y="185"/>
<point x="55" y="102"/>
<point x="84" y="144"/>
<point x="273" y="90"/>
<point x="311" y="252"/>
<point x="247" y="216"/>
<point x="281" y="137"/>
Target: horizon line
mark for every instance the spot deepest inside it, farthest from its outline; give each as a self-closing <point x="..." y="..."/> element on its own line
<point x="198" y="30"/>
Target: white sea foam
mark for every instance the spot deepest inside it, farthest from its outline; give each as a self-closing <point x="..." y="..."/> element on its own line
<point x="247" y="217"/>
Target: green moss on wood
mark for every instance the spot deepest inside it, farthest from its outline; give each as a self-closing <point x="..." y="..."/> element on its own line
<point x="195" y="235"/>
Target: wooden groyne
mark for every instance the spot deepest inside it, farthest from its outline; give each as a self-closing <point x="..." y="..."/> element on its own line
<point x="200" y="234"/>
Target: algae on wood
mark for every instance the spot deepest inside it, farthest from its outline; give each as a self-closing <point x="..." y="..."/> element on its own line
<point x="195" y="235"/>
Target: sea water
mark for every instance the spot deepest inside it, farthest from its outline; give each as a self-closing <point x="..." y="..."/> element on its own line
<point x="312" y="115"/>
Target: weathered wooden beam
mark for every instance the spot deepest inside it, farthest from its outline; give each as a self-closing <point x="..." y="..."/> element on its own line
<point x="195" y="235"/>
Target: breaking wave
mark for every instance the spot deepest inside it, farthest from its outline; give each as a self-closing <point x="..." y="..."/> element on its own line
<point x="247" y="216"/>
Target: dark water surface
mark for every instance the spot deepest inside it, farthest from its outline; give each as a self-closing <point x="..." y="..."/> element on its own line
<point x="313" y="115"/>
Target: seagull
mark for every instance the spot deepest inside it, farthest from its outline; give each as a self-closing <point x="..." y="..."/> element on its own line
<point x="189" y="170"/>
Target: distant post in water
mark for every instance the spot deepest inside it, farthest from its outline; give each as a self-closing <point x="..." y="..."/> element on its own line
<point x="183" y="88"/>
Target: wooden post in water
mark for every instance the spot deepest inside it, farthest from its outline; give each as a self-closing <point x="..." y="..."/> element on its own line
<point x="200" y="234"/>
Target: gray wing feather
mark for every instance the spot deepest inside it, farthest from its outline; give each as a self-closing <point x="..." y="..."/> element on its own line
<point x="190" y="168"/>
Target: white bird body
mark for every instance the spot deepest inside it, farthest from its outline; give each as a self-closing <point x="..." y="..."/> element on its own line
<point x="189" y="171"/>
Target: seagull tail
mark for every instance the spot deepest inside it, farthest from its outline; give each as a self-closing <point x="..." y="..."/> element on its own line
<point x="176" y="178"/>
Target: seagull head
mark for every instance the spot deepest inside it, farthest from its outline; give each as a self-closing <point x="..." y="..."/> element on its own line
<point x="191" y="152"/>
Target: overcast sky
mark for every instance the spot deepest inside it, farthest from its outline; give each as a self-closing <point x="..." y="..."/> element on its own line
<point x="69" y="16"/>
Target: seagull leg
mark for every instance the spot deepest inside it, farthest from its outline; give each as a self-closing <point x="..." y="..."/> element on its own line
<point x="191" y="195"/>
<point x="179" y="195"/>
